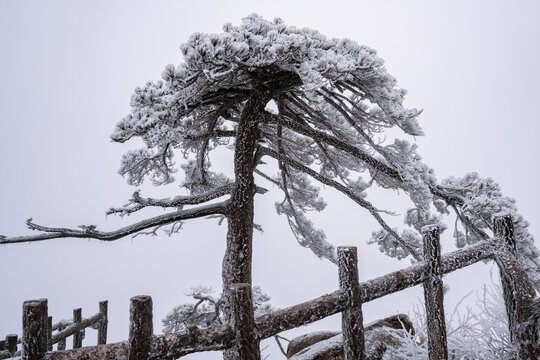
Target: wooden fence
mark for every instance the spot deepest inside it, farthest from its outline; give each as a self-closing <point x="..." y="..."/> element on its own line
<point x="245" y="332"/>
<point x="35" y="315"/>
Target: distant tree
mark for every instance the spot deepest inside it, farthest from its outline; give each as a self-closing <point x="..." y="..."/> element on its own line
<point x="318" y="109"/>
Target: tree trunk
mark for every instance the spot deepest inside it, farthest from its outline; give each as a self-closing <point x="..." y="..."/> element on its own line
<point x="238" y="254"/>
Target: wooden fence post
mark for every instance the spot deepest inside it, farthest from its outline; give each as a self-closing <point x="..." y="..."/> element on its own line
<point x="11" y="343"/>
<point x="78" y="336"/>
<point x="62" y="343"/>
<point x="102" y="328"/>
<point x="503" y="229"/>
<point x="246" y="343"/>
<point x="351" y="318"/>
<point x="49" y="333"/>
<point x="433" y="295"/>
<point x="34" y="337"/>
<point x="140" y="327"/>
<point x="523" y="322"/>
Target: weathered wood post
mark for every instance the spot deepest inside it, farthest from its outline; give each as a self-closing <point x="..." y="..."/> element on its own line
<point x="102" y="327"/>
<point x="140" y="327"/>
<point x="246" y="343"/>
<point x="523" y="318"/>
<point x="49" y="333"/>
<point x="433" y="295"/>
<point x="11" y="343"/>
<point x="351" y="317"/>
<point x="529" y="337"/>
<point x="78" y="336"/>
<point x="34" y="337"/>
<point x="503" y="229"/>
<point x="62" y="343"/>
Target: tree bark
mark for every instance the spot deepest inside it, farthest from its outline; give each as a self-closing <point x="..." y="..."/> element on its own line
<point x="238" y="253"/>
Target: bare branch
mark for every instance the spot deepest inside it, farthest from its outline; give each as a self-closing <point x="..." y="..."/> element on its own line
<point x="90" y="232"/>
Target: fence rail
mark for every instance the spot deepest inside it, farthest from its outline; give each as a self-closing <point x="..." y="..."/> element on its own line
<point x="37" y="309"/>
<point x="244" y="332"/>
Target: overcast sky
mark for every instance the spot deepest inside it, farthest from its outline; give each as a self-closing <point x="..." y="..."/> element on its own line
<point x="68" y="69"/>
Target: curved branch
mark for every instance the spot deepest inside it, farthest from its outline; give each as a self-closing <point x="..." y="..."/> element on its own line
<point x="343" y="189"/>
<point x="137" y="202"/>
<point x="90" y="232"/>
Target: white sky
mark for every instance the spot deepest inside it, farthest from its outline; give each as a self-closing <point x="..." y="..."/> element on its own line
<point x="68" y="69"/>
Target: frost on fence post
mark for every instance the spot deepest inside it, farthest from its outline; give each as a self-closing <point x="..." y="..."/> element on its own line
<point x="529" y="334"/>
<point x="140" y="327"/>
<point x="246" y="342"/>
<point x="78" y="336"/>
<point x="351" y="317"/>
<point x="433" y="295"/>
<point x="519" y="295"/>
<point x="503" y="229"/>
<point x="102" y="327"/>
<point x="34" y="337"/>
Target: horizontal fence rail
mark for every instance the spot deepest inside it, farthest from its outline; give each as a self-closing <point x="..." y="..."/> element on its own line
<point x="245" y="332"/>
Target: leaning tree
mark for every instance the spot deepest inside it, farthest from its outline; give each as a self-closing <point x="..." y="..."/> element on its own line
<point x="319" y="109"/>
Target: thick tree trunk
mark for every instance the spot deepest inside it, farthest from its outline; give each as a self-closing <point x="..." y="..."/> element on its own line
<point x="238" y="254"/>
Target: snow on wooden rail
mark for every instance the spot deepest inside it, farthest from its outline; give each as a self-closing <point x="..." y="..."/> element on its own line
<point x="522" y="307"/>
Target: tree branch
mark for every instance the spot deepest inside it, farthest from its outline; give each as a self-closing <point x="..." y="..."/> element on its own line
<point x="377" y="165"/>
<point x="90" y="232"/>
<point x="137" y="202"/>
<point x="335" y="142"/>
<point x="345" y="190"/>
<point x="211" y="134"/>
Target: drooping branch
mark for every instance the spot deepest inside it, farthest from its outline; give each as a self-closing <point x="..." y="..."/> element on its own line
<point x="137" y="202"/>
<point x="345" y="190"/>
<point x="342" y="109"/>
<point x="90" y="232"/>
<point x="335" y="142"/>
<point x="374" y="163"/>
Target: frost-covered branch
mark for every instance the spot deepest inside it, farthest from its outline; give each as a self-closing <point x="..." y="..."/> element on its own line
<point x="335" y="142"/>
<point x="216" y="133"/>
<point x="137" y="202"/>
<point x="90" y="232"/>
<point x="302" y="228"/>
<point x="346" y="191"/>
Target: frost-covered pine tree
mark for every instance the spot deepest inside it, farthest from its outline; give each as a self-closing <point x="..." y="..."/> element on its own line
<point x="319" y="109"/>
